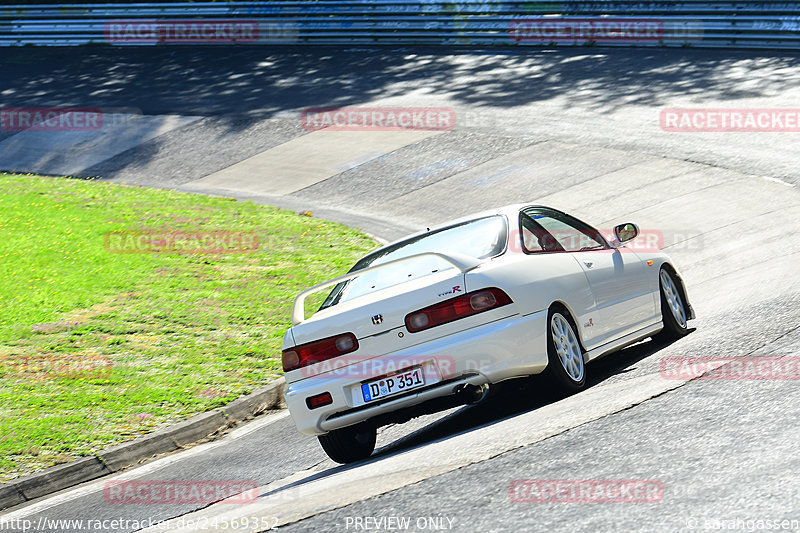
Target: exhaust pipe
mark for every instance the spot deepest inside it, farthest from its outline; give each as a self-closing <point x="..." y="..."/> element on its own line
<point x="471" y="394"/>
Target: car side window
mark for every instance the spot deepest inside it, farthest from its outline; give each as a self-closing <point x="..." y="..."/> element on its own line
<point x="536" y="239"/>
<point x="550" y="231"/>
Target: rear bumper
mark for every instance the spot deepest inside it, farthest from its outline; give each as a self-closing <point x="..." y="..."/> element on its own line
<point x="509" y="347"/>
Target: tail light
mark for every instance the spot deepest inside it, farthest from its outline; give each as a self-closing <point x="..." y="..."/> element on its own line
<point x="317" y="351"/>
<point x="319" y="400"/>
<point x="469" y="304"/>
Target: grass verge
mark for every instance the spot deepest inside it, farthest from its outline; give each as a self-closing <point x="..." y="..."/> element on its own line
<point x="106" y="335"/>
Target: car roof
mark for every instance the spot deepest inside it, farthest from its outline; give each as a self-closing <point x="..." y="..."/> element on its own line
<point x="510" y="211"/>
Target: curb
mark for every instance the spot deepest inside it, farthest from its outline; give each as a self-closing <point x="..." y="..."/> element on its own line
<point x="129" y="453"/>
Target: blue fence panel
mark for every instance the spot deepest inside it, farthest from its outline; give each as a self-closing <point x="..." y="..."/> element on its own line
<point x="403" y="22"/>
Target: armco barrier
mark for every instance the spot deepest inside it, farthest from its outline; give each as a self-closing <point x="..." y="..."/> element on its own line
<point x="401" y="22"/>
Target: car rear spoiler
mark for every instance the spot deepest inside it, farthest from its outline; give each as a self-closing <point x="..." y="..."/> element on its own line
<point x="462" y="262"/>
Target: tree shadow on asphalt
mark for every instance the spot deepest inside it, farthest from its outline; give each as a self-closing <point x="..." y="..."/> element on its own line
<point x="241" y="86"/>
<point x="264" y="80"/>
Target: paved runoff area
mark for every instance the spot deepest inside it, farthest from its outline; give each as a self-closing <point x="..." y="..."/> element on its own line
<point x="608" y="135"/>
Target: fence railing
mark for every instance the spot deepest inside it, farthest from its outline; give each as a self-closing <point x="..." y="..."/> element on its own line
<point x="403" y="22"/>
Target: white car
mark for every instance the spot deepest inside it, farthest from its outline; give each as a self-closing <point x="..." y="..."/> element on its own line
<point x="432" y="320"/>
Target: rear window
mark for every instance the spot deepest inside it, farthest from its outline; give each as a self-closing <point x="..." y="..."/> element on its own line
<point x="480" y="238"/>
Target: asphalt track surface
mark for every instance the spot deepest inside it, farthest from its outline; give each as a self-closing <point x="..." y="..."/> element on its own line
<point x="576" y="129"/>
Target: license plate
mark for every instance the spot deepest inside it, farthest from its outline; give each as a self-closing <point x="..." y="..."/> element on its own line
<point x="394" y="384"/>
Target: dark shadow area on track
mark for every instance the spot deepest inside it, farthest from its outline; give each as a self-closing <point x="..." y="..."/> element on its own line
<point x="264" y="80"/>
<point x="238" y="88"/>
<point x="510" y="398"/>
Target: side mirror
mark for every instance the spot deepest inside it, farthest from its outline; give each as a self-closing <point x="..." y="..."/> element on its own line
<point x="626" y="232"/>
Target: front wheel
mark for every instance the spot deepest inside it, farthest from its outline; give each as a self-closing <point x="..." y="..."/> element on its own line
<point x="566" y="366"/>
<point x="673" y="309"/>
<point x="349" y="444"/>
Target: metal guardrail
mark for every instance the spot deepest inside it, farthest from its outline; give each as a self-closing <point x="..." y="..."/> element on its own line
<point x="703" y="24"/>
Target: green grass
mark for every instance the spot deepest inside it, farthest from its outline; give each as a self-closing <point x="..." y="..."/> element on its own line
<point x="99" y="347"/>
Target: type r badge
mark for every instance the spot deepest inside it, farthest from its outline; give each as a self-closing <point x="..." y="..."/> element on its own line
<point x="377" y="319"/>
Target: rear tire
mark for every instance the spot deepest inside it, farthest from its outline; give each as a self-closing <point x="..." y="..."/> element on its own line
<point x="349" y="444"/>
<point x="673" y="308"/>
<point x="566" y="368"/>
